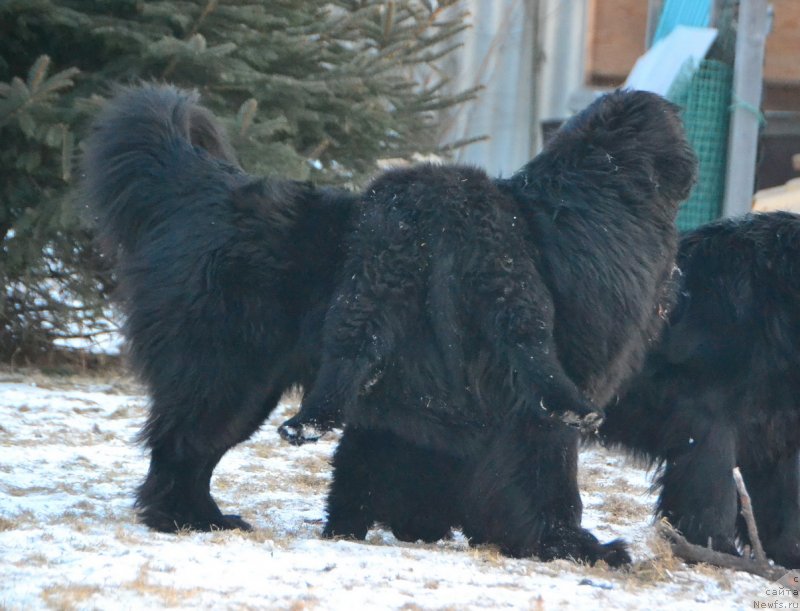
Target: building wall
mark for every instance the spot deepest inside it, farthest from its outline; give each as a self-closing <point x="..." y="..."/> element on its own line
<point x="528" y="55"/>
<point x="615" y="42"/>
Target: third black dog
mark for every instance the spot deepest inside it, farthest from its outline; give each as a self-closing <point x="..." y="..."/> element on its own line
<point x="722" y="388"/>
<point x="472" y="309"/>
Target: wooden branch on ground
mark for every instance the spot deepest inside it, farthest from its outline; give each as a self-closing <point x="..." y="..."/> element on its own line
<point x="756" y="565"/>
<point x="690" y="552"/>
<point x="749" y="518"/>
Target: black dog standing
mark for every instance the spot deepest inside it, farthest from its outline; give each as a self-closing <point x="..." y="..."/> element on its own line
<point x="223" y="306"/>
<point x="226" y="280"/>
<point x="472" y="310"/>
<point x="722" y="388"/>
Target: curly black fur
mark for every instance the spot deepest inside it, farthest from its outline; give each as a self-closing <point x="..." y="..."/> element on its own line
<point x="722" y="387"/>
<point x="472" y="309"/>
<point x="223" y="306"/>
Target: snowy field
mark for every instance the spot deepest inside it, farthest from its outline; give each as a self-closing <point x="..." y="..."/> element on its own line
<point x="69" y="539"/>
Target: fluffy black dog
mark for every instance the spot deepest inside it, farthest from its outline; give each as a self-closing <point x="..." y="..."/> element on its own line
<point x="722" y="387"/>
<point x="472" y="309"/>
<point x="224" y="305"/>
<point x="224" y="278"/>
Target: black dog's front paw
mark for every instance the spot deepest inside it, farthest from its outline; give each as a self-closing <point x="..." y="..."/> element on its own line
<point x="232" y="522"/>
<point x="298" y="433"/>
<point x="588" y="422"/>
<point x="615" y="554"/>
<point x="584" y="415"/>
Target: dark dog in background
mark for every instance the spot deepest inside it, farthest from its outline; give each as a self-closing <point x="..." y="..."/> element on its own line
<point x="223" y="306"/>
<point x="722" y="388"/>
<point x="472" y="309"/>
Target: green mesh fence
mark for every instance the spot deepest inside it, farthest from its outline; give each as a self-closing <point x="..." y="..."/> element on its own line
<point x="705" y="97"/>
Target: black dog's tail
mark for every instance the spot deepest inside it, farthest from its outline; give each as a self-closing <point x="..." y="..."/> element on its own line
<point x="152" y="150"/>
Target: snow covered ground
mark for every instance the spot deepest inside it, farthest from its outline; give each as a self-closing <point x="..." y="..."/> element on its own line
<point x="69" y="539"/>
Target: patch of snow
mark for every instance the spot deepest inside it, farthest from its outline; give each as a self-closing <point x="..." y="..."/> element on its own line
<point x="69" y="466"/>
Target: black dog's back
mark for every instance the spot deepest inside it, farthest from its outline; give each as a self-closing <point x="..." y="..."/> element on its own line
<point x="537" y="270"/>
<point x="471" y="310"/>
<point x="741" y="278"/>
<point x="459" y="306"/>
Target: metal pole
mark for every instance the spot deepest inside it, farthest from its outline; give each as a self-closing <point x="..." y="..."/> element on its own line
<point x="748" y="72"/>
<point x="533" y="9"/>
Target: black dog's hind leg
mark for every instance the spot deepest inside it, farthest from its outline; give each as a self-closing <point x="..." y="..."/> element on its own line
<point x="349" y="504"/>
<point x="775" y="493"/>
<point x="698" y="493"/>
<point x="379" y="477"/>
<point x="184" y="452"/>
<point x="523" y="496"/>
<point x="414" y="492"/>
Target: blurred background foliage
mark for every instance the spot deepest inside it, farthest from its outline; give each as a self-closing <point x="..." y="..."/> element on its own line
<point x="308" y="89"/>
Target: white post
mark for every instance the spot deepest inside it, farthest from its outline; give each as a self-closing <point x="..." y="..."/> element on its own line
<point x="748" y="72"/>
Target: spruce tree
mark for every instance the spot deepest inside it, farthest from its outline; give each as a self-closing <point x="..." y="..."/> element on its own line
<point x="309" y="89"/>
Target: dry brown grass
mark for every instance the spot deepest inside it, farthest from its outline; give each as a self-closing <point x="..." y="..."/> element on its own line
<point x="126" y="411"/>
<point x="264" y="451"/>
<point x="108" y="371"/>
<point x="309" y="482"/>
<point x="168" y="596"/>
<point x="303" y="603"/>
<point x="37" y="559"/>
<point x="66" y="597"/>
<point x="31" y="490"/>
<point x="620" y="484"/>
<point x="314" y="464"/>
<point x="488" y="554"/>
<point x="91" y="408"/>
<point x="621" y="507"/>
<point x="659" y="567"/>
<point x="123" y="534"/>
<point x="26" y="518"/>
<point x="721" y="576"/>
<point x="264" y="535"/>
<point x="592" y="478"/>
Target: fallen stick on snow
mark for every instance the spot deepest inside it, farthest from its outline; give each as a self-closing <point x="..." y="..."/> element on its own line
<point x="755" y="564"/>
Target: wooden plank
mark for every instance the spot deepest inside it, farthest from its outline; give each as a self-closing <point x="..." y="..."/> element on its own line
<point x="654" y="8"/>
<point x="783" y="45"/>
<point x="615" y="39"/>
<point x="748" y="74"/>
<point x="786" y="197"/>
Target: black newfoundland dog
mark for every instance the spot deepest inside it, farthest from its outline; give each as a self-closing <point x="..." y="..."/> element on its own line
<point x="471" y="310"/>
<point x="722" y="388"/>
<point x="223" y="307"/>
<point x="456" y="315"/>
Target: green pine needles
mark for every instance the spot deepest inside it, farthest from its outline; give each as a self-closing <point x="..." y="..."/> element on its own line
<point x="309" y="89"/>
